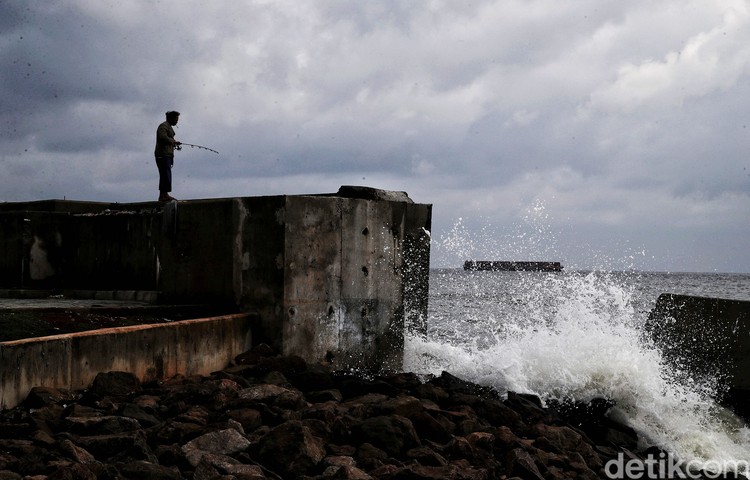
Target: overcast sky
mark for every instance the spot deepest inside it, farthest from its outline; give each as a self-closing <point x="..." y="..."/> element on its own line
<point x="598" y="133"/>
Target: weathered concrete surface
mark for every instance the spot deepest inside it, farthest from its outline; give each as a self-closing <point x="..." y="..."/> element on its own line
<point x="79" y="248"/>
<point x="333" y="277"/>
<point x="707" y="337"/>
<point x="344" y="280"/>
<point x="188" y="347"/>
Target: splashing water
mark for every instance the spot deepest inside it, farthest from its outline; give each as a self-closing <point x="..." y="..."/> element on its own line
<point x="572" y="336"/>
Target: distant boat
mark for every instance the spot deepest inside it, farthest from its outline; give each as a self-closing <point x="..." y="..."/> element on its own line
<point x="505" y="266"/>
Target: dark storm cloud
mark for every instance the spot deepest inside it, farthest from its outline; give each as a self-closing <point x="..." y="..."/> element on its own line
<point x="604" y="119"/>
<point x="56" y="60"/>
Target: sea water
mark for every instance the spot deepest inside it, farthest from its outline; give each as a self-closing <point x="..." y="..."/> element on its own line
<point x="579" y="336"/>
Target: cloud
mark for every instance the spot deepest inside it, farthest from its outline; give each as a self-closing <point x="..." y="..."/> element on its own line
<point x="621" y="118"/>
<point x="708" y="60"/>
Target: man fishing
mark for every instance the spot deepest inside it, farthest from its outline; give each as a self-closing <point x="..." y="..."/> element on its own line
<point x="164" y="153"/>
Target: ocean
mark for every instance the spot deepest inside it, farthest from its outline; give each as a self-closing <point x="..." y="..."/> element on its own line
<point x="579" y="335"/>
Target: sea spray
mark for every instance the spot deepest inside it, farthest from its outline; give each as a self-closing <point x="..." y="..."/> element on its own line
<point x="573" y="336"/>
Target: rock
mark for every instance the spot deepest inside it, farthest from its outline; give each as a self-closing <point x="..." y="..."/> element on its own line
<point x="292" y="449"/>
<point x="566" y="440"/>
<point x="273" y="394"/>
<point x="131" y="410"/>
<point x="205" y="471"/>
<point x="498" y="413"/>
<point x="148" y="403"/>
<point x="116" y="384"/>
<point x="426" y="456"/>
<point x="147" y="470"/>
<point x="103" y="425"/>
<point x="460" y="448"/>
<point x="72" y="472"/>
<point x="279" y="417"/>
<point x="289" y="366"/>
<point x="404" y="405"/>
<point x="173" y="431"/>
<point x="345" y="472"/>
<point x="453" y="385"/>
<point x="529" y="407"/>
<point x="405" y="381"/>
<point x="129" y="446"/>
<point x="15" y="430"/>
<point x="41" y="396"/>
<point x="227" y="441"/>
<point x="254" y="355"/>
<point x="365" y="405"/>
<point x="41" y="437"/>
<point x="428" y="427"/>
<point x="506" y="440"/>
<point x="339" y="461"/>
<point x="431" y="392"/>
<point x="47" y="418"/>
<point x="370" y="457"/>
<point x="246" y="472"/>
<point x="321" y="396"/>
<point x="392" y="433"/>
<point x="189" y="393"/>
<point x="522" y="465"/>
<point x="351" y="386"/>
<point x="314" y="378"/>
<point x="445" y="472"/>
<point x="75" y="453"/>
<point x="249" y="418"/>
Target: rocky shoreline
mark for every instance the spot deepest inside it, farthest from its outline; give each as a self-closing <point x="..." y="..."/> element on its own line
<point x="275" y="417"/>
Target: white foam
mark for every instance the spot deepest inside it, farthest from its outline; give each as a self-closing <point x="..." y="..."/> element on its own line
<point x="578" y="337"/>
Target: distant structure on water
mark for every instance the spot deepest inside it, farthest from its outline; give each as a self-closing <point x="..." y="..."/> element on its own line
<point x="505" y="266"/>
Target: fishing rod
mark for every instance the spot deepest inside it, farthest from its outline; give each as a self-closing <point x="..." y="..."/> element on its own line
<point x="196" y="146"/>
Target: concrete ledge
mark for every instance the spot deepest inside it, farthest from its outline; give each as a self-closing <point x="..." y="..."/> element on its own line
<point x="143" y="296"/>
<point x="151" y="352"/>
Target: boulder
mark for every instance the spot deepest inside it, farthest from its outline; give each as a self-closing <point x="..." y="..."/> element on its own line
<point x="291" y="449"/>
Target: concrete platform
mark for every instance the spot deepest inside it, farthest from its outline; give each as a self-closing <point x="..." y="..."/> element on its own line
<point x="60" y="302"/>
<point x="334" y="278"/>
<point x="137" y="296"/>
<point x="39" y="314"/>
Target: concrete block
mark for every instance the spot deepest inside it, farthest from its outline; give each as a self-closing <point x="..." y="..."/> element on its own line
<point x="333" y="277"/>
<point x="709" y="337"/>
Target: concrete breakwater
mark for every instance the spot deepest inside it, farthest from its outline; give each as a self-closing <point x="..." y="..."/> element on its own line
<point x="334" y="278"/>
<point x="709" y="340"/>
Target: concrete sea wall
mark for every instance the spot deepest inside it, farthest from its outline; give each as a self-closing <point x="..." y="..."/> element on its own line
<point x="151" y="352"/>
<point x="333" y="278"/>
<point x="708" y="338"/>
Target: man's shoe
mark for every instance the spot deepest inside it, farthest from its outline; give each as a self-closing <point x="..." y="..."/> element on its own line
<point x="166" y="198"/>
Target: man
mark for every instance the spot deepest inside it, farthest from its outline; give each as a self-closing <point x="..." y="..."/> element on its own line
<point x="164" y="153"/>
